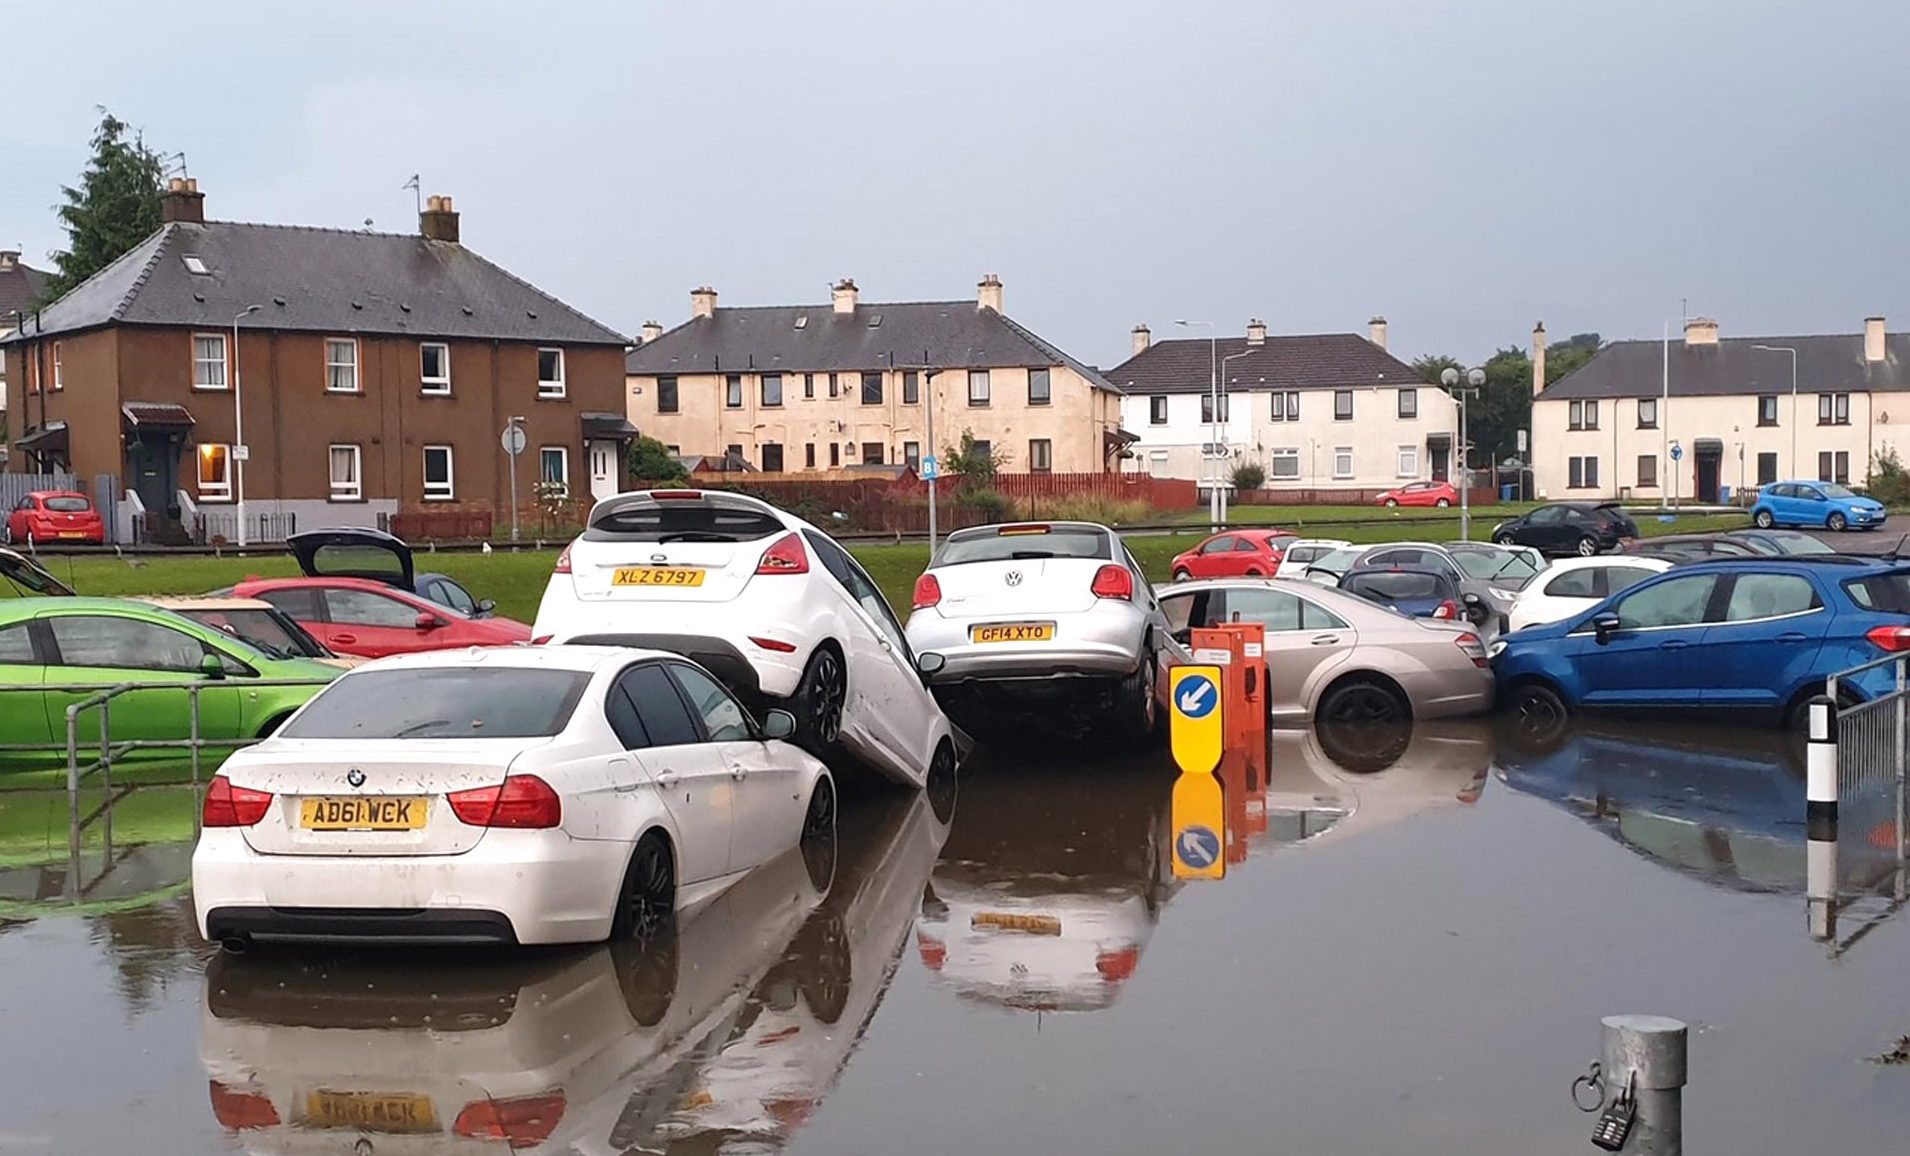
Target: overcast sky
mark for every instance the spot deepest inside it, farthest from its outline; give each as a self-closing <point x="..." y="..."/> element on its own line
<point x="1464" y="167"/>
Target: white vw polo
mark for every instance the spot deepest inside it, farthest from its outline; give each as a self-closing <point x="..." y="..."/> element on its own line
<point x="505" y="794"/>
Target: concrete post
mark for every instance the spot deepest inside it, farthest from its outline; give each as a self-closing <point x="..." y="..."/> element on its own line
<point x="1646" y="1054"/>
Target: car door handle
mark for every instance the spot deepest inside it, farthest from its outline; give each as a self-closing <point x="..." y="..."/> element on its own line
<point x="1325" y="639"/>
<point x="1793" y="636"/>
<point x="345" y="638"/>
<point x="1673" y="644"/>
<point x="666" y="779"/>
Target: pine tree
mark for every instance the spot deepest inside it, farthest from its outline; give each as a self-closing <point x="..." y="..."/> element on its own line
<point x="115" y="207"/>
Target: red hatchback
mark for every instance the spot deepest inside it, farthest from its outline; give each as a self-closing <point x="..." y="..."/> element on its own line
<point x="1234" y="554"/>
<point x="1419" y="494"/>
<point x="368" y="619"/>
<point x="50" y="516"/>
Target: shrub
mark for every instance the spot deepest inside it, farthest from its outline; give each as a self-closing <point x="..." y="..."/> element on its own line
<point x="1889" y="482"/>
<point x="651" y="461"/>
<point x="1248" y="476"/>
<point x="1088" y="508"/>
<point x="990" y="504"/>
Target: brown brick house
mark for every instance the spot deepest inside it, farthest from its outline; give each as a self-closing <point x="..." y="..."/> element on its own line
<point x="376" y="373"/>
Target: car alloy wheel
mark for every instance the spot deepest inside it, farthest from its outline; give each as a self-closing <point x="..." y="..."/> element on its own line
<point x="1837" y="521"/>
<point x="1538" y="710"/>
<point x="1392" y="501"/>
<point x="942" y="782"/>
<point x="1181" y="574"/>
<point x="819" y="835"/>
<point x="1763" y="520"/>
<point x="1443" y="503"/>
<point x="648" y="901"/>
<point x="819" y="698"/>
<point x="1361" y="702"/>
<point x="1505" y="540"/>
<point x="1587" y="546"/>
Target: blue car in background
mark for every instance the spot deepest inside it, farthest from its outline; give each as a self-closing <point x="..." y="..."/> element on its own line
<point x="1728" y="634"/>
<point x="1815" y="504"/>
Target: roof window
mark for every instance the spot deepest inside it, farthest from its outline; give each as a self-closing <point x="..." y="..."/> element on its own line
<point x="195" y="266"/>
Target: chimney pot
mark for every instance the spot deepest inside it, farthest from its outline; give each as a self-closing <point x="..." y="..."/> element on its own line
<point x="182" y="201"/>
<point x="703" y="302"/>
<point x="1538" y="358"/>
<point x="1376" y="331"/>
<point x="438" y="221"/>
<point x="988" y="293"/>
<point x="1874" y="345"/>
<point x="1701" y="331"/>
<point x="1143" y="337"/>
<point x="844" y="295"/>
<point x="1256" y="332"/>
<point x="651" y="331"/>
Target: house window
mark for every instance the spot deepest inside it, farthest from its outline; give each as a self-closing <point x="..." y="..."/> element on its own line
<point x="732" y="457"/>
<point x="978" y="387"/>
<point x="1833" y="409"/>
<point x="733" y="391"/>
<point x="1591" y="414"/>
<point x="984" y="450"/>
<point x="871" y="453"/>
<point x="1342" y="405"/>
<point x="1767" y="409"/>
<point x="1647" y="471"/>
<point x="1157" y="410"/>
<point x="1408" y="404"/>
<point x="808" y="386"/>
<point x="1040" y="455"/>
<point x="911" y="388"/>
<point x="341" y="364"/>
<point x="347" y="466"/>
<point x="1342" y="461"/>
<point x="1834" y="467"/>
<point x="772" y="389"/>
<point x="1582" y="473"/>
<point x="1038" y="387"/>
<point x="1286" y="405"/>
<point x="1647" y="413"/>
<point x="809" y="456"/>
<point x="1286" y="464"/>
<point x="835" y="455"/>
<point x="772" y="458"/>
<point x="666" y="394"/>
<point x="59" y="378"/>
<point x="871" y="389"/>
<point x="1582" y="415"/>
<point x="550" y="373"/>
<point x="1766" y="469"/>
<point x="1408" y="466"/>
<point x="834" y="387"/>
<point x="912" y="455"/>
<point x="1207" y="408"/>
<point x="208" y="361"/>
<point x="434" y="367"/>
<point x="215" y="472"/>
<point x="553" y="468"/>
<point x="438" y="485"/>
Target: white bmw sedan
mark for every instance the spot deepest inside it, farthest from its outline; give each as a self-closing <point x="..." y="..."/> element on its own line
<point x="769" y="604"/>
<point x="506" y="794"/>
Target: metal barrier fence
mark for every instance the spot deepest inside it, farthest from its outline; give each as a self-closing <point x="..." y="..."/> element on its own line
<point x="1871" y="739"/>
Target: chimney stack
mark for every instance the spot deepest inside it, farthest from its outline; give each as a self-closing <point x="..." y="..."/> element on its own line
<point x="182" y="201"/>
<point x="844" y="295"/>
<point x="988" y="293"/>
<point x="1873" y="340"/>
<point x="1538" y="358"/>
<point x="1701" y="331"/>
<point x="651" y="331"/>
<point x="703" y="302"/>
<point x="1143" y="337"/>
<point x="1376" y="331"/>
<point x="439" y="221"/>
<point x="9" y="258"/>
<point x="1256" y="332"/>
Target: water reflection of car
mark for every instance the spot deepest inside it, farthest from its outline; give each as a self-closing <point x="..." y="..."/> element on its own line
<point x="569" y="1052"/>
<point x="1349" y="779"/>
<point x="1050" y="885"/>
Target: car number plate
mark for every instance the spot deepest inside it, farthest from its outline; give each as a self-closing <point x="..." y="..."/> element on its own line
<point x="1032" y="924"/>
<point x="1013" y="632"/>
<point x="362" y="813"/>
<point x="370" y="1112"/>
<point x="72" y="533"/>
<point x="656" y="576"/>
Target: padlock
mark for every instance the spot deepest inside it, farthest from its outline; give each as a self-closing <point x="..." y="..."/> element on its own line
<point x="1614" y="1124"/>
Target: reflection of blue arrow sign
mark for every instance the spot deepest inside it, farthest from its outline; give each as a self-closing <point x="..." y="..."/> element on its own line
<point x="1196" y="697"/>
<point x="1198" y="847"/>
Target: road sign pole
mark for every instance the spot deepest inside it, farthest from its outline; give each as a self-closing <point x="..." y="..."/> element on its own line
<point x="513" y="442"/>
<point x="934" y="463"/>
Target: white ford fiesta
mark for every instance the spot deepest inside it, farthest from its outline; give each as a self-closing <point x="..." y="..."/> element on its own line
<point x="770" y="604"/>
<point x="507" y="794"/>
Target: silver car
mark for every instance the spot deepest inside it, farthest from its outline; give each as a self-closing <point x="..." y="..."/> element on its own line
<point x="1039" y="601"/>
<point x="1335" y="657"/>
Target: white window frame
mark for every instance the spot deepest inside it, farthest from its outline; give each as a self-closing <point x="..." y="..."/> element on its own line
<point x="331" y="346"/>
<point x="448" y="492"/>
<point x="352" y="490"/>
<point x="1287" y="453"/>
<point x="1407" y="465"/>
<point x="225" y="370"/>
<point x="563" y="455"/>
<point x="1340" y="452"/>
<point x="59" y="377"/>
<point x="437" y="386"/>
<point x="550" y="387"/>
<point x="219" y="491"/>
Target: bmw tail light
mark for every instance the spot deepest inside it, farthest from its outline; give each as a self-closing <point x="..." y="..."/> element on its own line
<point x="238" y="1111"/>
<point x="525" y="802"/>
<point x="563" y="559"/>
<point x="521" y="1122"/>
<point x="1113" y="581"/>
<point x="1117" y="964"/>
<point x="1446" y="611"/>
<point x="1475" y="650"/>
<point x="1891" y="638"/>
<point x="230" y="806"/>
<point x="786" y="557"/>
<point x="928" y="592"/>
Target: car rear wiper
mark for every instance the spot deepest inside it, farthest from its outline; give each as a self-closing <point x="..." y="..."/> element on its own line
<point x="407" y="732"/>
<point x="696" y="536"/>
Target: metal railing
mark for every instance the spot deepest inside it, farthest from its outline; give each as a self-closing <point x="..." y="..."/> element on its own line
<point x="1872" y="739"/>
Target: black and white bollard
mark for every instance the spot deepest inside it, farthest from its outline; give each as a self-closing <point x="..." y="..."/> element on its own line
<point x="1820" y="819"/>
<point x="1643" y="1059"/>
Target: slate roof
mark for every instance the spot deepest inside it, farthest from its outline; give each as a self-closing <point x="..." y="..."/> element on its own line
<point x="1307" y="361"/>
<point x="329" y="280"/>
<point x="817" y="339"/>
<point x="1825" y="363"/>
<point x="19" y="288"/>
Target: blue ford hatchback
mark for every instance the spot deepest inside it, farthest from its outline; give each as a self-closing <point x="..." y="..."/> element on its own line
<point x="1754" y="635"/>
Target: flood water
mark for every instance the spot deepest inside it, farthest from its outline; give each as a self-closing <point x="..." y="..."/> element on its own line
<point x="1410" y="951"/>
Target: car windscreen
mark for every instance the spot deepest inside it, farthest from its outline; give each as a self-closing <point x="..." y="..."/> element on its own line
<point x="1832" y="490"/>
<point x="276" y="635"/>
<point x="1888" y="592"/>
<point x="442" y="703"/>
<point x="1011" y="543"/>
<point x="67" y="505"/>
<point x="1797" y="544"/>
<point x="682" y="521"/>
<point x="1396" y="586"/>
<point x="1500" y="567"/>
<point x="1337" y="561"/>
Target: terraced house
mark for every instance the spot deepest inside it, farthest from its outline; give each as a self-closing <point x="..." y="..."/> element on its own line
<point x="372" y="375"/>
<point x="798" y="388"/>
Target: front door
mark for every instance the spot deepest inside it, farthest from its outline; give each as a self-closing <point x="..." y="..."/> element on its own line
<point x="1439" y="452"/>
<point x="692" y="780"/>
<point x="153" y="462"/>
<point x="1708" y="462"/>
<point x="604" y="461"/>
<point x="768" y="809"/>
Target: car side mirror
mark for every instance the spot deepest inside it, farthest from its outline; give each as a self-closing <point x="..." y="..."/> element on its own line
<point x="1603" y="627"/>
<point x="930" y="663"/>
<point x="486" y="605"/>
<point x="779" y="724"/>
<point x="428" y="620"/>
<point x="211" y="666"/>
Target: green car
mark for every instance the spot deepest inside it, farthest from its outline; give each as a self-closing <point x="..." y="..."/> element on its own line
<point x="98" y="642"/>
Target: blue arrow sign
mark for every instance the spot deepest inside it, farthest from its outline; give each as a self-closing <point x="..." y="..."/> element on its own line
<point x="1198" y="847"/>
<point x="1196" y="696"/>
<point x="1677" y="451"/>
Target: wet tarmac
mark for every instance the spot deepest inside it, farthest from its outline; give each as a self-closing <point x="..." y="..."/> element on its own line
<point x="1414" y="941"/>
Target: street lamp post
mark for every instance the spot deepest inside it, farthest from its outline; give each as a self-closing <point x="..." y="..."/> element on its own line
<point x="1213" y="361"/>
<point x="1229" y="421"/>
<point x="1475" y="378"/>
<point x="1795" y="468"/>
<point x="240" y="453"/>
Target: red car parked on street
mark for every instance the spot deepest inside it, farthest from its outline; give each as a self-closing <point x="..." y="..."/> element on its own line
<point x="1419" y="494"/>
<point x="54" y="516"/>
<point x="1234" y="554"/>
<point x="369" y="619"/>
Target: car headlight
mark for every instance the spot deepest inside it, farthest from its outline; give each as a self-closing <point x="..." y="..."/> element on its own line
<point x="1496" y="649"/>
